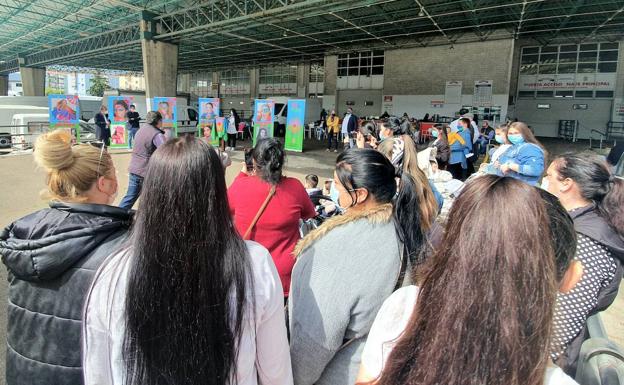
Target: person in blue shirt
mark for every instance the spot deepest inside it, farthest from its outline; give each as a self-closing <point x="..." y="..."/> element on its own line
<point x="524" y="160"/>
<point x="460" y="142"/>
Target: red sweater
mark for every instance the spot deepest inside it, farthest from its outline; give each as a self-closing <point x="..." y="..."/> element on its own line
<point x="278" y="226"/>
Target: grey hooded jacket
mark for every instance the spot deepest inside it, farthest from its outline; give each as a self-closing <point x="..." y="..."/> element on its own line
<point x="51" y="257"/>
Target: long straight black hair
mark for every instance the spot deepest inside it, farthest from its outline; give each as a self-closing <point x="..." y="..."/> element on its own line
<point x="190" y="273"/>
<point x="370" y="169"/>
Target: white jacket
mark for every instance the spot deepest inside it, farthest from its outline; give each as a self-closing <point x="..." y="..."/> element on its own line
<point x="264" y="356"/>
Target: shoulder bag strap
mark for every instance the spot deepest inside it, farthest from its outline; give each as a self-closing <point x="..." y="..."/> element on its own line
<point x="260" y="211"/>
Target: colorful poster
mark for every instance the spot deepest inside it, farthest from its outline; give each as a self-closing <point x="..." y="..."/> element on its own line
<point x="168" y="109"/>
<point x="65" y="114"/>
<point x="209" y="110"/>
<point x="118" y="107"/>
<point x="220" y="131"/>
<point x="294" y="125"/>
<point x="263" y="119"/>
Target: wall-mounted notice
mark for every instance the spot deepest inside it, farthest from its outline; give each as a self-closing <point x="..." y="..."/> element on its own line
<point x="453" y="92"/>
<point x="482" y="93"/>
<point x="388" y="104"/>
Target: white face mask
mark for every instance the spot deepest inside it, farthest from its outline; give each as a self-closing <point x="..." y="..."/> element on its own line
<point x="544" y="184"/>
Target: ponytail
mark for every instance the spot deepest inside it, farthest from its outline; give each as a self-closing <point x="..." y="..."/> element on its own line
<point x="269" y="157"/>
<point x="611" y="208"/>
<point x="596" y="184"/>
<point x="407" y="218"/>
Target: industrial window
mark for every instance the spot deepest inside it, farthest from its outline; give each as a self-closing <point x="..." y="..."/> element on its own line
<point x="583" y="94"/>
<point x="604" y="94"/>
<point x="573" y="61"/>
<point x="200" y="84"/>
<point x="278" y="74"/>
<point x="364" y="63"/>
<point x="526" y="94"/>
<point x="317" y="73"/>
<point x="234" y="82"/>
<point x="544" y="94"/>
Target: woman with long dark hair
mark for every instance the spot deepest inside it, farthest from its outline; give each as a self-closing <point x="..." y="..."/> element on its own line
<point x="346" y="268"/>
<point x="481" y="315"/>
<point x="276" y="202"/>
<point x="441" y="143"/>
<point x="188" y="302"/>
<point x="595" y="200"/>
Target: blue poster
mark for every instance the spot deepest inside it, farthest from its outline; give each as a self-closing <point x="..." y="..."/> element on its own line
<point x="64" y="113"/>
<point x="169" y="112"/>
<point x="118" y="107"/>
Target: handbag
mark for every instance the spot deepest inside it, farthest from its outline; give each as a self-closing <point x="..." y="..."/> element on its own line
<point x="260" y="211"/>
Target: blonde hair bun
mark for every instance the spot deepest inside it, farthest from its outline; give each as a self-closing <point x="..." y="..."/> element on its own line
<point x="53" y="151"/>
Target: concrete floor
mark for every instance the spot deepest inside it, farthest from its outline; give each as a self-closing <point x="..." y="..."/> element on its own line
<point x="21" y="183"/>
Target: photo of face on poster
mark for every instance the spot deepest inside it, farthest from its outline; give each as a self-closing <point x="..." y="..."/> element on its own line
<point x="264" y="111"/>
<point x="168" y="109"/>
<point x="209" y="109"/>
<point x="118" y="107"/>
<point x="118" y="136"/>
<point x="64" y="108"/>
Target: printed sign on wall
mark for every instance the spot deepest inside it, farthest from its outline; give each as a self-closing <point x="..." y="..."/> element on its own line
<point x="118" y="107"/>
<point x="294" y="125"/>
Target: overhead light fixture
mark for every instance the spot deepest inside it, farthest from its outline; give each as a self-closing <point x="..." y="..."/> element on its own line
<point x="285" y="34"/>
<point x="421" y="13"/>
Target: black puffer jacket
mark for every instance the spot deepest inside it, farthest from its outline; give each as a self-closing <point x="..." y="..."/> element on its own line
<point x="51" y="257"/>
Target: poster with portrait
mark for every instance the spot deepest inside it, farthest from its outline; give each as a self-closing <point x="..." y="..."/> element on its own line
<point x="64" y="113"/>
<point x="295" y="125"/>
<point x="263" y="119"/>
<point x="168" y="109"/>
<point x="118" y="107"/>
<point x="209" y="110"/>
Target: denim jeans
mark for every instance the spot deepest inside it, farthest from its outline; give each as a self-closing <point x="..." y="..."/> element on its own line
<point x="131" y="133"/>
<point x="134" y="190"/>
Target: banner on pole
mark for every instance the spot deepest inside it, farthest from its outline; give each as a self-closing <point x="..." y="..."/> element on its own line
<point x="168" y="109"/>
<point x="263" y="119"/>
<point x="295" y="125"/>
<point x="65" y="114"/>
<point x="118" y="107"/>
<point x="209" y="110"/>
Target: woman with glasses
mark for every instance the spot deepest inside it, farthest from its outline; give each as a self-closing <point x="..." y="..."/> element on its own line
<point x="51" y="256"/>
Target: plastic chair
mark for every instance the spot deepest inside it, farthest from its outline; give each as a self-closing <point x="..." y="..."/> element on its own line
<point x="241" y="130"/>
<point x="425" y="135"/>
<point x="320" y="133"/>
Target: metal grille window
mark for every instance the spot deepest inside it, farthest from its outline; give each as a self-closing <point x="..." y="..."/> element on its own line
<point x="365" y="63"/>
<point x="569" y="59"/>
<point x="234" y="82"/>
<point x="317" y="73"/>
<point x="278" y="74"/>
<point x="200" y="84"/>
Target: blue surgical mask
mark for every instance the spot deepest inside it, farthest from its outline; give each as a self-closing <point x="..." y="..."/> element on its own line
<point x="434" y="133"/>
<point x="382" y="136"/>
<point x="515" y="138"/>
<point x="460" y="128"/>
<point x="334" y="194"/>
<point x="499" y="139"/>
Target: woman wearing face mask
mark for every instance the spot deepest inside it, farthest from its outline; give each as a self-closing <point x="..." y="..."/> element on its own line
<point x="52" y="256"/>
<point x="391" y="127"/>
<point x="503" y="145"/>
<point x="439" y="132"/>
<point x="593" y="197"/>
<point x="347" y="267"/>
<point x="524" y="160"/>
<point x="460" y="143"/>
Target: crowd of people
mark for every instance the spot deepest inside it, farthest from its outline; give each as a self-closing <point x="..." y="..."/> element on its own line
<point x="433" y="272"/>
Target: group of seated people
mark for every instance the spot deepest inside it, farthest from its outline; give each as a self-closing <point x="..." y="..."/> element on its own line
<point x="191" y="288"/>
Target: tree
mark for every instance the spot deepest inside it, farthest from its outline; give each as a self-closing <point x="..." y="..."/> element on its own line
<point x="53" y="91"/>
<point x="99" y="84"/>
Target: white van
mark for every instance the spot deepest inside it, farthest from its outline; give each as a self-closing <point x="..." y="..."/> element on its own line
<point x="312" y="114"/>
<point x="25" y="128"/>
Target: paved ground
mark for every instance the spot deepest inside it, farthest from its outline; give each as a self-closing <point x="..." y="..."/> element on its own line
<point x="21" y="182"/>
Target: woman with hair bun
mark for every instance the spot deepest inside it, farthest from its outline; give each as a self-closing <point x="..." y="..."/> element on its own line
<point x="593" y="197"/>
<point x="267" y="206"/>
<point x="52" y="255"/>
